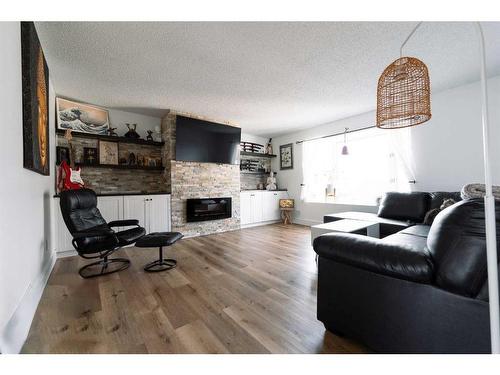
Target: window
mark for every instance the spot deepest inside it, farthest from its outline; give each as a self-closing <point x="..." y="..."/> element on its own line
<point x="376" y="163"/>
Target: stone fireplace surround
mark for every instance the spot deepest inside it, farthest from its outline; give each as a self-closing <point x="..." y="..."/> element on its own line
<point x="198" y="180"/>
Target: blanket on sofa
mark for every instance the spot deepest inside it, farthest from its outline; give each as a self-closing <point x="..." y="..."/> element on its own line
<point x="478" y="191"/>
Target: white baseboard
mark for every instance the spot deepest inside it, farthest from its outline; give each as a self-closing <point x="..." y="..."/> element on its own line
<point x="66" y="253"/>
<point x="243" y="226"/>
<point x="17" y="328"/>
<point x="307" y="222"/>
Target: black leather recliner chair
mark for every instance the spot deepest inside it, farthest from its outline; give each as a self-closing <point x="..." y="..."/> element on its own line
<point x="92" y="236"/>
<point x="421" y="290"/>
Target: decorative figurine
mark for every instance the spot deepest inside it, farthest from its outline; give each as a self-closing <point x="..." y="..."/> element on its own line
<point x="269" y="147"/>
<point x="131" y="131"/>
<point x="150" y="135"/>
<point x="111" y="132"/>
<point x="271" y="182"/>
<point x="132" y="159"/>
<point x="158" y="134"/>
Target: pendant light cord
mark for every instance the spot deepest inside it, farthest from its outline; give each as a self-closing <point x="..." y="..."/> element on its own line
<point x="408" y="38"/>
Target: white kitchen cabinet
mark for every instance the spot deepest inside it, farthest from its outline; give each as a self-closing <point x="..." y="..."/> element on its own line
<point x="245" y="208"/>
<point x="152" y="211"/>
<point x="158" y="213"/>
<point x="134" y="207"/>
<point x="111" y="208"/>
<point x="260" y="207"/>
<point x="256" y="205"/>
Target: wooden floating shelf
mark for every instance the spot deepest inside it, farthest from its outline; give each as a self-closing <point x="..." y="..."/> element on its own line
<point x="257" y="154"/>
<point x="138" y="141"/>
<point x="122" y="166"/>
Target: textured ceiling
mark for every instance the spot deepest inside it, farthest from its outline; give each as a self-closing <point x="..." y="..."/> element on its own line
<point x="269" y="78"/>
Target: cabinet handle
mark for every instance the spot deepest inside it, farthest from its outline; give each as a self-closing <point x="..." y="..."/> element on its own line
<point x="252" y="195"/>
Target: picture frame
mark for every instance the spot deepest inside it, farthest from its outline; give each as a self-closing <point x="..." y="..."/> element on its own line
<point x="35" y="101"/>
<point x="108" y="152"/>
<point x="286" y="156"/>
<point x="81" y="117"/>
<point x="62" y="154"/>
<point x="286" y="203"/>
<point x="90" y="156"/>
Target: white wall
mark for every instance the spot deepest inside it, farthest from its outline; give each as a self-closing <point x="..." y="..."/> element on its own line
<point x="245" y="137"/>
<point x="26" y="205"/>
<point x="118" y="119"/>
<point x="447" y="149"/>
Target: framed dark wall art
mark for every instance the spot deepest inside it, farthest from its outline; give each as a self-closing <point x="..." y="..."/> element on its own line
<point x="286" y="156"/>
<point x="62" y="154"/>
<point x="35" y="90"/>
<point x="90" y="156"/>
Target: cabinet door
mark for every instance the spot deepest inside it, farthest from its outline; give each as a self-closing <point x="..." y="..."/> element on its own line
<point x="256" y="204"/>
<point x="111" y="208"/>
<point x="158" y="212"/>
<point x="275" y="205"/>
<point x="268" y="202"/>
<point x="134" y="207"/>
<point x="245" y="209"/>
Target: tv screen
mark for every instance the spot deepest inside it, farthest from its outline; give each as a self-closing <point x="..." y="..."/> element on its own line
<point x="207" y="142"/>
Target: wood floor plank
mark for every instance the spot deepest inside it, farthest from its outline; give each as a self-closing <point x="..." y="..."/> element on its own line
<point x="244" y="291"/>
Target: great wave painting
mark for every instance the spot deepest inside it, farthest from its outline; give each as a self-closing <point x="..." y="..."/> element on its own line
<point x="81" y="117"/>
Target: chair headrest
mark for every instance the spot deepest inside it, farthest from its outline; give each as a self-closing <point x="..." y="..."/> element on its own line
<point x="72" y="200"/>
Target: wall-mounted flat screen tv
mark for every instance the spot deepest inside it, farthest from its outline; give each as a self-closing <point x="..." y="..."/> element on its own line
<point x="207" y="142"/>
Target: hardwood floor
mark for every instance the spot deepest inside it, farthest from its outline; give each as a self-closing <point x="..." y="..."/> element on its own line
<point x="246" y="291"/>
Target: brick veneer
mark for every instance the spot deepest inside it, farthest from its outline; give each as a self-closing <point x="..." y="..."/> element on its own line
<point x="109" y="180"/>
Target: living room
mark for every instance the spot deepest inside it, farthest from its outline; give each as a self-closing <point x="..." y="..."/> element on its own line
<point x="201" y="187"/>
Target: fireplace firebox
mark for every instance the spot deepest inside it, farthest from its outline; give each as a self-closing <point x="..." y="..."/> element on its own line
<point x="208" y="209"/>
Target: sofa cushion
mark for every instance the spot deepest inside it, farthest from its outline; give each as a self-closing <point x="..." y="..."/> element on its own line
<point x="399" y="260"/>
<point x="404" y="206"/>
<point x="458" y="245"/>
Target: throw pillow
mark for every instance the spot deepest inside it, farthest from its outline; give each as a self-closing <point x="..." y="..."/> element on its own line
<point x="431" y="214"/>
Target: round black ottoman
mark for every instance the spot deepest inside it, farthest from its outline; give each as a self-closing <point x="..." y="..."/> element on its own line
<point x="160" y="240"/>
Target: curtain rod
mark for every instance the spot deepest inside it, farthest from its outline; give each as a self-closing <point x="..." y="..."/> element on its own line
<point x="334" y="135"/>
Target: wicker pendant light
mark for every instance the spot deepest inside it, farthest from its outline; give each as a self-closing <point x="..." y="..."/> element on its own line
<point x="403" y="94"/>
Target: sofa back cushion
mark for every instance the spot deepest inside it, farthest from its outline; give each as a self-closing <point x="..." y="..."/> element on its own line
<point x="404" y="206"/>
<point x="457" y="244"/>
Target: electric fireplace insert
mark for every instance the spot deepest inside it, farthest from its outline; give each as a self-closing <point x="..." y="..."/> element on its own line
<point x="208" y="209"/>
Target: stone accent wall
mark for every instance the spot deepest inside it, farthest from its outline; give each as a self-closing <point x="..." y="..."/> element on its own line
<point x="110" y="180"/>
<point x="204" y="180"/>
<point x="198" y="180"/>
<point x="168" y="151"/>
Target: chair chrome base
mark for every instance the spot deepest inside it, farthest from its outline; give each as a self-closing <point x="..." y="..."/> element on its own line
<point x="160" y="264"/>
<point x="104" y="267"/>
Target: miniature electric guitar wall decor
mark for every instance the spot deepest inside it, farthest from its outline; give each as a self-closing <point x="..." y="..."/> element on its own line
<point x="69" y="176"/>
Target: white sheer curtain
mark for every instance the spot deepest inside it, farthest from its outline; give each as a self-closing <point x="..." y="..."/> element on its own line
<point x="401" y="144"/>
<point x="372" y="167"/>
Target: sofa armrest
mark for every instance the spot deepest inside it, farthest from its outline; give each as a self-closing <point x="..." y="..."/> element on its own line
<point x="372" y="254"/>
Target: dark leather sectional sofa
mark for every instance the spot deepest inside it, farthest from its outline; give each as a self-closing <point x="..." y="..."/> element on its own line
<point x="420" y="288"/>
